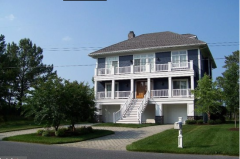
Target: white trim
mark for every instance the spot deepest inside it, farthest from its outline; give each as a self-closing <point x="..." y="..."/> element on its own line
<point x="199" y="64"/>
<point x="110" y="83"/>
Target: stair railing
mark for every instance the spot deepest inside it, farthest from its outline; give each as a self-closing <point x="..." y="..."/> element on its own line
<point x="142" y="106"/>
<point x="119" y="114"/>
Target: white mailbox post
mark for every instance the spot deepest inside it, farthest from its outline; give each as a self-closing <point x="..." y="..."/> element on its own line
<point x="178" y="125"/>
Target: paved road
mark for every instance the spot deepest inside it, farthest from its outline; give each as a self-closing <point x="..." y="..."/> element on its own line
<point x="37" y="151"/>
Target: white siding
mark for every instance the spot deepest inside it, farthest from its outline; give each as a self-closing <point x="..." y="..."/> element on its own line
<point x="148" y="115"/>
<point x="171" y="112"/>
<point x="107" y="112"/>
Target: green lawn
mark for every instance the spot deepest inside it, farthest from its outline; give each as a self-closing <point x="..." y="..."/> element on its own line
<point x="197" y="139"/>
<point x="17" y="125"/>
<point x="34" y="138"/>
<point x="123" y="125"/>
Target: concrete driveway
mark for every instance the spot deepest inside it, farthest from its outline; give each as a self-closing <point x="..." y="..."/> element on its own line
<point x="121" y="138"/>
<point x="117" y="141"/>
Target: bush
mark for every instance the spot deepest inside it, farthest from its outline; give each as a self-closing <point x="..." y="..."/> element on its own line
<point x="90" y="129"/>
<point x="218" y="121"/>
<point x="211" y="122"/>
<point x="46" y="133"/>
<point x="60" y="132"/>
<point x="190" y="122"/>
<point x="39" y="132"/>
<point x="200" y="121"/>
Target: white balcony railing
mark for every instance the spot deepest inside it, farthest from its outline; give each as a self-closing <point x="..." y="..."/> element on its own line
<point x="104" y="95"/>
<point x="181" y="92"/>
<point x="138" y="69"/>
<point x="123" y="70"/>
<point x="103" y="71"/>
<point x="183" y="66"/>
<point x="122" y="94"/>
<point x="159" y="93"/>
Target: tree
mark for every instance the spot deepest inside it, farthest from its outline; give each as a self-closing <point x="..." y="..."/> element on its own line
<point x="58" y="100"/>
<point x="229" y="82"/>
<point x="28" y="65"/>
<point x="78" y="101"/>
<point x="7" y="78"/>
<point x="207" y="96"/>
<point x="44" y="102"/>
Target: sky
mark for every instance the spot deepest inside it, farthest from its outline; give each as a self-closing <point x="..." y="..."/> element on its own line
<point x="69" y="30"/>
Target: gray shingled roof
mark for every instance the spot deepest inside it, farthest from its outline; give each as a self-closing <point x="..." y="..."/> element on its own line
<point x="152" y="40"/>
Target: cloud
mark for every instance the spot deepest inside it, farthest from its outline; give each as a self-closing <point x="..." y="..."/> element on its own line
<point x="66" y="38"/>
<point x="10" y="17"/>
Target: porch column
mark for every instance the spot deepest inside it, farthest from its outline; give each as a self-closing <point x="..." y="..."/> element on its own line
<point x="113" y="89"/>
<point x="158" y="113"/>
<point x="169" y="87"/>
<point x="132" y="86"/>
<point x="148" y="85"/>
<point x="95" y="89"/>
<point x="192" y="85"/>
<point x="190" y="111"/>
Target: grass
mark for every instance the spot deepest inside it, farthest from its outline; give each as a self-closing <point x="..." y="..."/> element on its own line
<point x="34" y="138"/>
<point x="124" y="125"/>
<point x="197" y="139"/>
<point x="17" y="125"/>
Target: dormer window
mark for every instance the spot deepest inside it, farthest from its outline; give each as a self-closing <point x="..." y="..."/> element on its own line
<point x="179" y="59"/>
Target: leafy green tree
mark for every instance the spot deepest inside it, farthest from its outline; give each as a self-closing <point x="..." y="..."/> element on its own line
<point x="229" y="82"/>
<point x="78" y="102"/>
<point x="207" y="96"/>
<point x="28" y="65"/>
<point x="44" y="102"/>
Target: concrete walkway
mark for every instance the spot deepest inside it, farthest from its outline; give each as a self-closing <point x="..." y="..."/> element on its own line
<point x="117" y="141"/>
<point x="121" y="138"/>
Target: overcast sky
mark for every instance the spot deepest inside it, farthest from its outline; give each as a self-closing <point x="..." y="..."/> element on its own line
<point x="69" y="31"/>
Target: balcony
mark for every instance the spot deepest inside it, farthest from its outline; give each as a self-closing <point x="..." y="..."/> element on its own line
<point x="162" y="93"/>
<point x="168" y="67"/>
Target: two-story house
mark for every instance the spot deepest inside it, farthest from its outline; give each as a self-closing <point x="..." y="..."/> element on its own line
<point x="148" y="78"/>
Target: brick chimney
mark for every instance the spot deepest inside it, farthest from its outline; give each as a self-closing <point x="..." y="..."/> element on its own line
<point x="131" y="35"/>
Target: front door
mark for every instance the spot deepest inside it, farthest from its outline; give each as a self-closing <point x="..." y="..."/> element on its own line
<point x="141" y="89"/>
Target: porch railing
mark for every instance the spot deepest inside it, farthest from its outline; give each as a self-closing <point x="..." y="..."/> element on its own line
<point x="104" y="95"/>
<point x="138" y="69"/>
<point x="123" y="70"/>
<point x="142" y="107"/>
<point x="181" y="92"/>
<point x="103" y="71"/>
<point x="119" y="114"/>
<point x="122" y="94"/>
<point x="161" y="67"/>
<point x="181" y="66"/>
<point x="159" y="93"/>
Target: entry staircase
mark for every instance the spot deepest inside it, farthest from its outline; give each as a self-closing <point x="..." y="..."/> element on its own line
<point x="131" y="111"/>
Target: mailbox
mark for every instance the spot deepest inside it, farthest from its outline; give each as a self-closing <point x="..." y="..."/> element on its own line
<point x="178" y="125"/>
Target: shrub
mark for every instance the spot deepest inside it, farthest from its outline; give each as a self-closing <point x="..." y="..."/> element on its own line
<point x="200" y="121"/>
<point x="46" y="133"/>
<point x="60" y="132"/>
<point x="218" y="121"/>
<point x="190" y="122"/>
<point x="39" y="132"/>
<point x="90" y="129"/>
<point x="211" y="122"/>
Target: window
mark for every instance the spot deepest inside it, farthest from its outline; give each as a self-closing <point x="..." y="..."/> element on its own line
<point x="112" y="62"/>
<point x="179" y="59"/>
<point x="142" y="59"/>
<point x="180" y="84"/>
